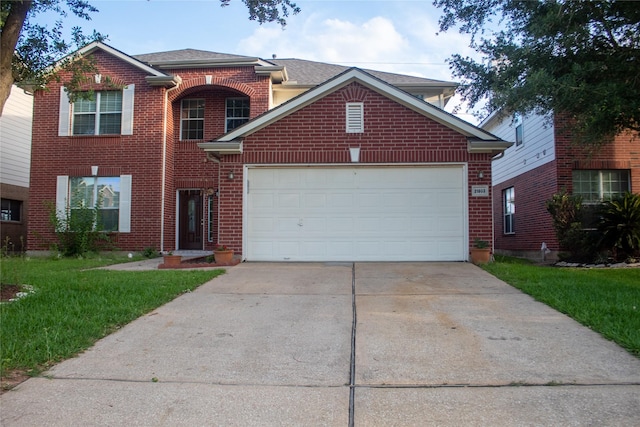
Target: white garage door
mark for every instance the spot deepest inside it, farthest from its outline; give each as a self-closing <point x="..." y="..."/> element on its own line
<point x="356" y="214"/>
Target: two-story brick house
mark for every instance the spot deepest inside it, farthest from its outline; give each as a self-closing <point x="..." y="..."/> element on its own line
<point x="543" y="161"/>
<point x="282" y="159"/>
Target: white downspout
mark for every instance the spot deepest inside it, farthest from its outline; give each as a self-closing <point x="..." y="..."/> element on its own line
<point x="214" y="159"/>
<point x="164" y="165"/>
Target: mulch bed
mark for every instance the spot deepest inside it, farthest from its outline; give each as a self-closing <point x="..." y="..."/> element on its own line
<point x="8" y="291"/>
<point x="198" y="263"/>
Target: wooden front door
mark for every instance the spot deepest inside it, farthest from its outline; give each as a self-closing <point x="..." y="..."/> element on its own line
<point x="190" y="221"/>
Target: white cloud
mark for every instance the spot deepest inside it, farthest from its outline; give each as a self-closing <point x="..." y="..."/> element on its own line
<point x="403" y="41"/>
<point x="330" y="40"/>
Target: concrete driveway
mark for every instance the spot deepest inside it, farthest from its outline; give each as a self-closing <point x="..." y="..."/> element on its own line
<point x="276" y="344"/>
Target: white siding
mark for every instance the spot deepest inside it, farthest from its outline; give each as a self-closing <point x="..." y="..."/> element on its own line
<point x="536" y="150"/>
<point x="15" y="138"/>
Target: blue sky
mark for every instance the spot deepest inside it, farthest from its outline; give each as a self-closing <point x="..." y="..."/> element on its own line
<point x="387" y="35"/>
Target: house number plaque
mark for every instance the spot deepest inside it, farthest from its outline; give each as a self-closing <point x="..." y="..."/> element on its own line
<point x="479" y="191"/>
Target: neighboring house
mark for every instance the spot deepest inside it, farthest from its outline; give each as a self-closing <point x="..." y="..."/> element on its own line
<point x="542" y="162"/>
<point x="15" y="152"/>
<point x="282" y="159"/>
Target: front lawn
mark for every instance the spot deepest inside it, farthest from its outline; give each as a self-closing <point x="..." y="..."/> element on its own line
<point x="606" y="300"/>
<point x="70" y="307"/>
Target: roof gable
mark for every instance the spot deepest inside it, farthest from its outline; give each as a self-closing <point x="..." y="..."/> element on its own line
<point x="479" y="140"/>
<point x="91" y="47"/>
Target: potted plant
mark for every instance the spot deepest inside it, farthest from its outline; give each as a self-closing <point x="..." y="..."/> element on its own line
<point x="480" y="252"/>
<point x="223" y="255"/>
<point x="171" y="260"/>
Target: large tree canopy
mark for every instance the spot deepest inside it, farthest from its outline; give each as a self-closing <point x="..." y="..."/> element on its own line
<point x="575" y="57"/>
<point x="27" y="48"/>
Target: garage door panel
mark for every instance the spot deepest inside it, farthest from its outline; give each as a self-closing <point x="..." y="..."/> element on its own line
<point x="356" y="214"/>
<point x="368" y="200"/>
<point x="315" y="200"/>
<point x="446" y="226"/>
<point x="261" y="225"/>
<point x="314" y="225"/>
<point x="342" y="226"/>
<point x="332" y="178"/>
<point x="291" y="248"/>
<point x="449" y="199"/>
<point x="342" y="250"/>
<point x="287" y="226"/>
<point x="338" y="200"/>
<point x="262" y="201"/>
<point x="369" y="225"/>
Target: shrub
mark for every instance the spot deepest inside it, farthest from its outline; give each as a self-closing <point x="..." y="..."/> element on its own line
<point x="620" y="226"/>
<point x="566" y="211"/>
<point x="77" y="231"/>
<point x="150" y="252"/>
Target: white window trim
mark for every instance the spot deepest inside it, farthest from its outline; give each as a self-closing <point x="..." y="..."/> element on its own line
<point x="124" y="219"/>
<point x="65" y="116"/>
<point x="354" y="117"/>
<point x="511" y="214"/>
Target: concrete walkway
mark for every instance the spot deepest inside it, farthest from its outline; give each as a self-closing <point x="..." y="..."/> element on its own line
<point x="276" y="345"/>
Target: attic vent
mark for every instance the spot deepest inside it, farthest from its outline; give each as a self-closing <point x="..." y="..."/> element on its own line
<point x="355" y="117"/>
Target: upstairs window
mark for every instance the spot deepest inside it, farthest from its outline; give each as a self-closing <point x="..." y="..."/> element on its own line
<point x="355" y="117"/>
<point x="595" y="186"/>
<point x="108" y="113"/>
<point x="517" y="121"/>
<point x="192" y="119"/>
<point x="237" y="112"/>
<point x="509" y="207"/>
<point x="99" y="116"/>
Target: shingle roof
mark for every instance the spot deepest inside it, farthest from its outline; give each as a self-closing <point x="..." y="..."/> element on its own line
<point x="300" y="71"/>
<point x="312" y="73"/>
<point x="188" y="55"/>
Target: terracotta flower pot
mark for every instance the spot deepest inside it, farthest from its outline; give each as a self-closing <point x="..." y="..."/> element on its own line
<point x="223" y="257"/>
<point x="480" y="255"/>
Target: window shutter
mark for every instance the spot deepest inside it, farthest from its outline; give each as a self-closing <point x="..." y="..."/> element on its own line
<point x="124" y="220"/>
<point x="62" y="191"/>
<point x="127" y="110"/>
<point x="65" y="113"/>
<point x="355" y="117"/>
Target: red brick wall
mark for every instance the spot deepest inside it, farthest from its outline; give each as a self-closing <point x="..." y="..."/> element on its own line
<point x="316" y="134"/>
<point x="621" y="153"/>
<point x="533" y="224"/>
<point x="139" y="155"/>
<point x="189" y="166"/>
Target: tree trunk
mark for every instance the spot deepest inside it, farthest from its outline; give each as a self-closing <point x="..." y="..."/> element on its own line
<point x="8" y="40"/>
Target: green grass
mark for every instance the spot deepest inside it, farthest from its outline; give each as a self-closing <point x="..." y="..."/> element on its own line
<point x="605" y="300"/>
<point x="73" y="307"/>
